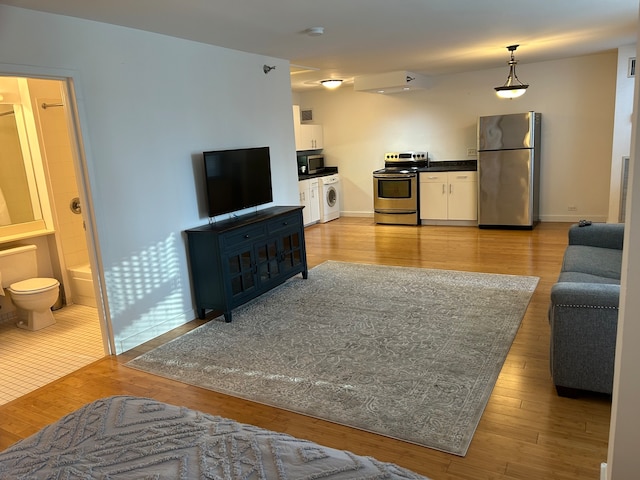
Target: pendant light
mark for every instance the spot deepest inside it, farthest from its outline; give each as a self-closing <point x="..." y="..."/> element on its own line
<point x="513" y="87"/>
<point x="331" y="83"/>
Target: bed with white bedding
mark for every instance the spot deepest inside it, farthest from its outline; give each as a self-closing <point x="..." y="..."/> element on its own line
<point x="126" y="437"/>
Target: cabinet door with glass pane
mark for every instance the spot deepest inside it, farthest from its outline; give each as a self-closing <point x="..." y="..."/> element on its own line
<point x="241" y="268"/>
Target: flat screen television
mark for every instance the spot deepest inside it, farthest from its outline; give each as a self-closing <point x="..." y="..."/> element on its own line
<point x="237" y="179"/>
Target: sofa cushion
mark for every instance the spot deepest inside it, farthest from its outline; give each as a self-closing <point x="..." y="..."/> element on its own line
<point x="601" y="262"/>
<point x="580" y="277"/>
<point x="604" y="235"/>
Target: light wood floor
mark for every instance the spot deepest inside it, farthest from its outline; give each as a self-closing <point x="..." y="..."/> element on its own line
<point x="526" y="432"/>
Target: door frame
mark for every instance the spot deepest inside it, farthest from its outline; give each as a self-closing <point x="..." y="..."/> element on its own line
<point x="71" y="93"/>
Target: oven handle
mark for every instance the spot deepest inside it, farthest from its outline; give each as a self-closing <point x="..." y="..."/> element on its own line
<point x="394" y="212"/>
<point x="393" y="176"/>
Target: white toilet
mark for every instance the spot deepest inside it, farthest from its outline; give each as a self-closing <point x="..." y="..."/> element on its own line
<point x="32" y="296"/>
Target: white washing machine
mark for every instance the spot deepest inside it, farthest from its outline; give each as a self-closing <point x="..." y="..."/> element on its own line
<point x="329" y="186"/>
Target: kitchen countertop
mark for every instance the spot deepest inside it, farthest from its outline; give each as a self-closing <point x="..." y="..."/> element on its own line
<point x="324" y="173"/>
<point x="451" y="166"/>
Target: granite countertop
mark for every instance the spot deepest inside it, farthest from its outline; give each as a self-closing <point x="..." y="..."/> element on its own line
<point x="451" y="166"/>
<point x="324" y="173"/>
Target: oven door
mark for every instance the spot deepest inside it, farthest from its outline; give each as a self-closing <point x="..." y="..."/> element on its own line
<point x="395" y="193"/>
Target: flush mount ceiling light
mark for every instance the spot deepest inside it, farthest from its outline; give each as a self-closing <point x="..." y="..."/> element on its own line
<point x="314" y="31"/>
<point x="331" y="83"/>
<point x="513" y="87"/>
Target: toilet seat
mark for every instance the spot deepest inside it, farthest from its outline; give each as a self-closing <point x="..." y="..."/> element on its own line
<point x="33" y="285"/>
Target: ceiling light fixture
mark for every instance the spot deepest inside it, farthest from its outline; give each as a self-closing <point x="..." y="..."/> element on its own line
<point x="513" y="87"/>
<point x="331" y="83"/>
<point x="314" y="31"/>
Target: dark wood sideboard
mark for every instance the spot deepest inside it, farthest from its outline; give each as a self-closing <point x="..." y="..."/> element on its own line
<point x="238" y="259"/>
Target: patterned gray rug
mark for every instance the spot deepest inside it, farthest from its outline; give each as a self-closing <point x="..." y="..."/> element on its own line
<point x="409" y="353"/>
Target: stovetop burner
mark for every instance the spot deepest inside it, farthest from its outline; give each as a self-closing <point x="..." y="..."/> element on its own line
<point x="404" y="169"/>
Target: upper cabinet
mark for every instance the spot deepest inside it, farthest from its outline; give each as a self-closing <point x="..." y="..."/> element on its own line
<point x="308" y="136"/>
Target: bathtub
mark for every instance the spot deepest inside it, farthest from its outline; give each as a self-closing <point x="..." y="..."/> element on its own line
<point x="82" y="292"/>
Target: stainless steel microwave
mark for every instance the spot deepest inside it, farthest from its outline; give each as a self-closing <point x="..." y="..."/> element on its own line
<point x="310" y="164"/>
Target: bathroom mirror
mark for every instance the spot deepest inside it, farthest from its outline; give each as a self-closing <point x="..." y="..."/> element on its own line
<point x="19" y="203"/>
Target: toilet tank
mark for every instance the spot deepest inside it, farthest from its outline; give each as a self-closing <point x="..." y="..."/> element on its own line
<point x="18" y="263"/>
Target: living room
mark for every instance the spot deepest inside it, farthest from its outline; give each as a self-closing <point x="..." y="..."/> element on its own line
<point x="134" y="105"/>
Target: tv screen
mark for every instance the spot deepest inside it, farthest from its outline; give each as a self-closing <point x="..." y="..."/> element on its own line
<point x="237" y="179"/>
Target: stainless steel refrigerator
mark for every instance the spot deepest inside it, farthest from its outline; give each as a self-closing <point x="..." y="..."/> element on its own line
<point x="509" y="170"/>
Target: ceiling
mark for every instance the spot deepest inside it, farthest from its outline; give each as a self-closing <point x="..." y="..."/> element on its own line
<point x="431" y="37"/>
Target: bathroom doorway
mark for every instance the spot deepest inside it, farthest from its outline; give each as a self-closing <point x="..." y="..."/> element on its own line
<point x="80" y="336"/>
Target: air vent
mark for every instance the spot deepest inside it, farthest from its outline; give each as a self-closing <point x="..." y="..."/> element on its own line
<point x="306" y="115"/>
<point x="631" y="72"/>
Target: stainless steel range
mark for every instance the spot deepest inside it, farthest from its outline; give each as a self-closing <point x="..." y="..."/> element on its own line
<point x="395" y="188"/>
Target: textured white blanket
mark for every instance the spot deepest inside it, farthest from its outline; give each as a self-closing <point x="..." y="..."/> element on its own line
<point x="126" y="437"/>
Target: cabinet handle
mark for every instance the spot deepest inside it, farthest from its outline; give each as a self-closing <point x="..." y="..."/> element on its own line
<point x="246" y="235"/>
<point x="450" y="189"/>
<point x="443" y="189"/>
<point x="285" y="223"/>
<point x="462" y="176"/>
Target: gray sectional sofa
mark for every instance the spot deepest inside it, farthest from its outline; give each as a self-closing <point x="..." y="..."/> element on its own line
<point x="583" y="314"/>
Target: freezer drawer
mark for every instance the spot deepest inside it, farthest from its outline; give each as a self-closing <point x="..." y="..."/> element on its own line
<point x="506" y="188"/>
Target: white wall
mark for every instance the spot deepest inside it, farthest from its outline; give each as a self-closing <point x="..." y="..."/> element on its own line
<point x="575" y="96"/>
<point x="148" y="106"/>
<point x="621" y="128"/>
<point x="624" y="435"/>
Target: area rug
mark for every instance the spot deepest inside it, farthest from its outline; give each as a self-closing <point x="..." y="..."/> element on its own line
<point x="409" y="353"/>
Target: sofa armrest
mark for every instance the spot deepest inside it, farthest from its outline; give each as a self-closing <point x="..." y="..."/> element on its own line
<point x="583" y="318"/>
<point x="604" y="235"/>
<point x="585" y="295"/>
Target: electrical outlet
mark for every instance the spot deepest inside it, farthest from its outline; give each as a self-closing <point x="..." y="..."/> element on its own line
<point x="572" y="208"/>
<point x="472" y="152"/>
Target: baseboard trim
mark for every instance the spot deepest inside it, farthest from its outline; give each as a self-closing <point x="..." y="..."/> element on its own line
<point x="543" y="218"/>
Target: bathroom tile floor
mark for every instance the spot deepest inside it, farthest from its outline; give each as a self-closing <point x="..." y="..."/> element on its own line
<point x="30" y="360"/>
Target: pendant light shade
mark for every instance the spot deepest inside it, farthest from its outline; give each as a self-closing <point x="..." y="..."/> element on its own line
<point x="331" y="83"/>
<point x="513" y="87"/>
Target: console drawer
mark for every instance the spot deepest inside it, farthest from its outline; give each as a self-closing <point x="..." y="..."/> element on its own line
<point x="241" y="236"/>
<point x="284" y="222"/>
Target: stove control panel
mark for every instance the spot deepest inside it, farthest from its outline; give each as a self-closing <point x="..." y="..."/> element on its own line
<point x="406" y="156"/>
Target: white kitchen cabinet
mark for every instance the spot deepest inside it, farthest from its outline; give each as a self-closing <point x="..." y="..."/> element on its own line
<point x="314" y="200"/>
<point x="311" y="138"/>
<point x="310" y="200"/>
<point x="433" y="196"/>
<point x="303" y="190"/>
<point x="447" y="197"/>
<point x="308" y="136"/>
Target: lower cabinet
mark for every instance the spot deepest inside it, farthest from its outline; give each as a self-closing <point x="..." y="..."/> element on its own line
<point x="236" y="260"/>
<point x="449" y="196"/>
<point x="314" y="200"/>
<point x="310" y="199"/>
